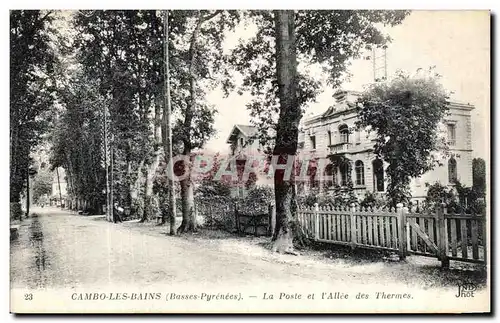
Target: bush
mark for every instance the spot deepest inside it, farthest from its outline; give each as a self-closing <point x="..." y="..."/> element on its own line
<point x="213" y="188"/>
<point x="261" y="194"/>
<point x="218" y="212"/>
<point x="339" y="197"/>
<point x="456" y="199"/>
<point x="373" y="200"/>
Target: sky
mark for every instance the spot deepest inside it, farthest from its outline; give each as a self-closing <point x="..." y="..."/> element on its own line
<point x="457" y="43"/>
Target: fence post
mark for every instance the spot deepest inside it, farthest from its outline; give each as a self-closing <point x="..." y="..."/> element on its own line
<point x="272" y="217"/>
<point x="443" y="237"/>
<point x="354" y="234"/>
<point x="402" y="228"/>
<point x="237" y="218"/>
<point x="485" y="239"/>
<point x="316" y="221"/>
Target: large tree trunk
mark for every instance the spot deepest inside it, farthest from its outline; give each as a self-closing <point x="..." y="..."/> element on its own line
<point x="150" y="198"/>
<point x="188" y="216"/>
<point x="167" y="129"/>
<point x="136" y="194"/>
<point x="287" y="129"/>
<point x="187" y="196"/>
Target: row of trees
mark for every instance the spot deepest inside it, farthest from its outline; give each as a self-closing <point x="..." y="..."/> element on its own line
<point x="117" y="88"/>
<point x="113" y="65"/>
<point x="32" y="92"/>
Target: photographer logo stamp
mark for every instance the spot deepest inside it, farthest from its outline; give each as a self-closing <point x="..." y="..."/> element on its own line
<point x="466" y="290"/>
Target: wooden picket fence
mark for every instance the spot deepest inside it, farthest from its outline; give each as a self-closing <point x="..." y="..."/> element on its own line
<point x="447" y="236"/>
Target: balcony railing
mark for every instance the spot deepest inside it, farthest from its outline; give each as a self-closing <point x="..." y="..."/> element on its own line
<point x="341" y="147"/>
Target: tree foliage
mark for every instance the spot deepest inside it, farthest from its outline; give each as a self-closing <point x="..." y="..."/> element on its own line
<point x="457" y="198"/>
<point x="405" y="114"/>
<point x="328" y="38"/>
<point x="77" y="141"/>
<point x="121" y="52"/>
<point x="32" y="92"/>
<point x="274" y="65"/>
<point x="479" y="175"/>
<point x="42" y="185"/>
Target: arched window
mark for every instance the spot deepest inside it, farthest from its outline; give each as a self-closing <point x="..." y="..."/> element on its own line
<point x="344" y="173"/>
<point x="344" y="133"/>
<point x="312" y="172"/>
<point x="360" y="172"/>
<point x="452" y="170"/>
<point x="330" y="172"/>
<point x="378" y="176"/>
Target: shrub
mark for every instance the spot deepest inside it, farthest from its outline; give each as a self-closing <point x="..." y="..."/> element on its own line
<point x="456" y="199"/>
<point x="373" y="200"/>
<point x="261" y="194"/>
<point x="339" y="197"/>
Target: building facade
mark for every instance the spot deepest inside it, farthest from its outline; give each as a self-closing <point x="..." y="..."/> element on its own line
<point x="333" y="134"/>
<point x="243" y="148"/>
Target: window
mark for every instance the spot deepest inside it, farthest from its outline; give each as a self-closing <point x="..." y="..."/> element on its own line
<point x="242" y="142"/>
<point x="344" y="173"/>
<point x="360" y="172"/>
<point x="313" y="142"/>
<point x="358" y="137"/>
<point x="451" y="134"/>
<point x="313" y="182"/>
<point x="452" y="170"/>
<point x="330" y="172"/>
<point x="378" y="176"/>
<point x="329" y="138"/>
<point x="344" y="134"/>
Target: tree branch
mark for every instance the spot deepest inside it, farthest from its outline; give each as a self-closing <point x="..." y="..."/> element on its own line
<point x="210" y="16"/>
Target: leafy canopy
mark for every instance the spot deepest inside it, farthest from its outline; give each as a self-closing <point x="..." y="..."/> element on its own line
<point x="330" y="38"/>
<point x="405" y="114"/>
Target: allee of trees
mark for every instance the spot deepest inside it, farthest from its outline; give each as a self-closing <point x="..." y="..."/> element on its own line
<point x="114" y="71"/>
<point x="32" y="92"/>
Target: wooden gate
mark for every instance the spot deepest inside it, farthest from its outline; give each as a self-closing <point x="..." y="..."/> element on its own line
<point x="422" y="238"/>
<point x="446" y="235"/>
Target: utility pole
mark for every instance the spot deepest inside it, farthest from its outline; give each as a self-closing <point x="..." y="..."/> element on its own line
<point x="106" y="161"/>
<point x="167" y="135"/>
<point x="111" y="197"/>
<point x="28" y="193"/>
<point x="59" y="186"/>
<point x="379" y="61"/>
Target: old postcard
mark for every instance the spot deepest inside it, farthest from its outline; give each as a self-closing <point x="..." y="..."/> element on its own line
<point x="249" y="161"/>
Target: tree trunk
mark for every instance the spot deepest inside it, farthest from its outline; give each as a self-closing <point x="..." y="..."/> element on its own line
<point x="188" y="216"/>
<point x="150" y="198"/>
<point x="148" y="194"/>
<point x="136" y="193"/>
<point x="27" y="193"/>
<point x="167" y="128"/>
<point x="287" y="130"/>
<point x="188" y="223"/>
<point x="130" y="184"/>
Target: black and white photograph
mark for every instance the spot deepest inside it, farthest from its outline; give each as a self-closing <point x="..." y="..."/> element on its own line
<point x="249" y="161"/>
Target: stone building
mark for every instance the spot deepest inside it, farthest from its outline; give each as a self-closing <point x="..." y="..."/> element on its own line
<point x="333" y="134"/>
